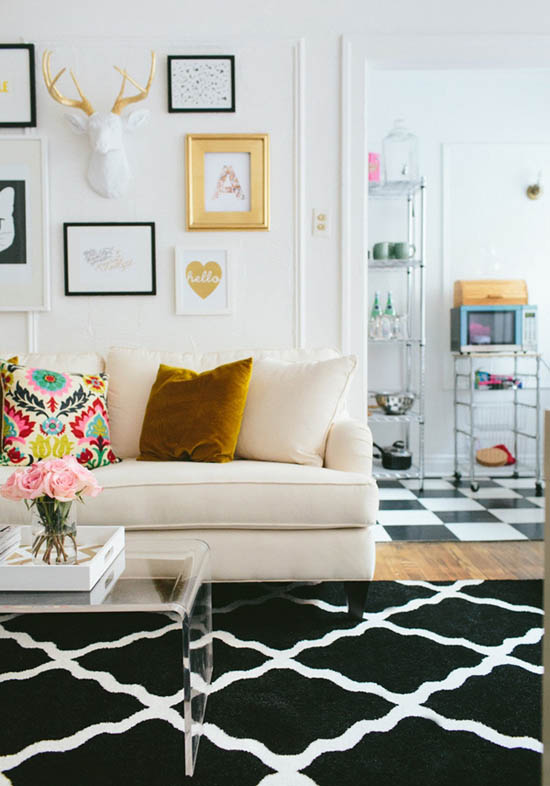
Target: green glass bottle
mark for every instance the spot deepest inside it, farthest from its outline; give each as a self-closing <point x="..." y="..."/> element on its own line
<point x="375" y="321"/>
<point x="390" y="308"/>
<point x="376" y="311"/>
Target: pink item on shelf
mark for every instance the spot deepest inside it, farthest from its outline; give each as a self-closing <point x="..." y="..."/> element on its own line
<point x="374" y="167"/>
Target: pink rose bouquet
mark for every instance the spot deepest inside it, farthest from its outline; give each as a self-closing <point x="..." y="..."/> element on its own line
<point x="51" y="486"/>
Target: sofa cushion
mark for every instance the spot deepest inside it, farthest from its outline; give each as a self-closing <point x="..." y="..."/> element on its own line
<point x="290" y="408"/>
<point x="49" y="413"/>
<point x="195" y="417"/>
<point x="73" y="362"/>
<point x="242" y="494"/>
<point x="133" y="371"/>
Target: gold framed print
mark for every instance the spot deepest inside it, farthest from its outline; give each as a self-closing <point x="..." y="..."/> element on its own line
<point x="227" y="181"/>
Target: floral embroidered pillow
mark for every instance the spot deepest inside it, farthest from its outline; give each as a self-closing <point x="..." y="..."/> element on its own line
<point x="49" y="414"/>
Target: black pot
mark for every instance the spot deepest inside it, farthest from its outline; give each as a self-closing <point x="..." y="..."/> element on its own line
<point x="396" y="456"/>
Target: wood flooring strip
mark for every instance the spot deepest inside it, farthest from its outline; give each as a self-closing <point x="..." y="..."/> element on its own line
<point x="452" y="561"/>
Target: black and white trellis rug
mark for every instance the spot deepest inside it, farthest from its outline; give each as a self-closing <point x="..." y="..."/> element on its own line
<point x="440" y="683"/>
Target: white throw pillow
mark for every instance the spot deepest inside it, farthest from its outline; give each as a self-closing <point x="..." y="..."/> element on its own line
<point x="290" y="407"/>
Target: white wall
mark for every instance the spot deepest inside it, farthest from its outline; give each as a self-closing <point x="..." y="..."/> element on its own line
<point x="278" y="81"/>
<point x="264" y="264"/>
<point x="459" y="106"/>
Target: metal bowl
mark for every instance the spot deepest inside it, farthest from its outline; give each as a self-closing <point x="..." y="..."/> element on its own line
<point x="395" y="403"/>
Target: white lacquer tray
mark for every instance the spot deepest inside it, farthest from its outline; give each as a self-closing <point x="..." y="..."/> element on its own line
<point x="97" y="549"/>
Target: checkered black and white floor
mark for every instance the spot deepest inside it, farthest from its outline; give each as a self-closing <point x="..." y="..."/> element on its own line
<point x="502" y="509"/>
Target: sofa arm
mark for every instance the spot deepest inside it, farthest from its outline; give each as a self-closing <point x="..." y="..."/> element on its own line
<point x="349" y="447"/>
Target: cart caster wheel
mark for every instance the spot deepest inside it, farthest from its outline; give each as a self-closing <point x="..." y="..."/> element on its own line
<point x="474" y="486"/>
<point x="457" y="477"/>
<point x="515" y="475"/>
<point x="538" y="490"/>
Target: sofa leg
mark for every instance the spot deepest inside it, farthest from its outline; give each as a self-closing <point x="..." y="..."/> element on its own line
<point x="357" y="592"/>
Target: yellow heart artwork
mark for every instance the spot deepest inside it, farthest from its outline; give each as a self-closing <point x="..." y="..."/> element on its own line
<point x="203" y="279"/>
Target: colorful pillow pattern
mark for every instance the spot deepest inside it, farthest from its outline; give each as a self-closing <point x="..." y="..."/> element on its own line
<point x="49" y="414"/>
<point x="14" y="359"/>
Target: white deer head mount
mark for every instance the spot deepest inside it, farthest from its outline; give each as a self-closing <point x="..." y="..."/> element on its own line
<point x="108" y="170"/>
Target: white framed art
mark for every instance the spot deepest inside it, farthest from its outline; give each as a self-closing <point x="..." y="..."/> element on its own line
<point x="24" y="244"/>
<point x="202" y="282"/>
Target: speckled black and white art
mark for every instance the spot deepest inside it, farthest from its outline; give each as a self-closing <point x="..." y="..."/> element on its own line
<point x="201" y="84"/>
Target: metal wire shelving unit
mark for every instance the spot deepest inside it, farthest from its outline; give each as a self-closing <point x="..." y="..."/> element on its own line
<point x="478" y="415"/>
<point x="411" y="351"/>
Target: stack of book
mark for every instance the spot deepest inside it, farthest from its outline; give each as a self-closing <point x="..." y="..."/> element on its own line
<point x="10" y="538"/>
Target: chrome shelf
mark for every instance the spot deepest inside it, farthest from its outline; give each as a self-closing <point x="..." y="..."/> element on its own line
<point x="393" y="264"/>
<point x="380" y="417"/>
<point x="395" y="190"/>
<point x="395" y="341"/>
<point x="492" y="355"/>
<point x="520" y="469"/>
<point x="379" y="473"/>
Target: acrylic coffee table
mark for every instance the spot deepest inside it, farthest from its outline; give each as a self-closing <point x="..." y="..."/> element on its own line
<point x="176" y="585"/>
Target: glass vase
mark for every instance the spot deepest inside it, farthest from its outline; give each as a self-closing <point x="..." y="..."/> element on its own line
<point x="53" y="526"/>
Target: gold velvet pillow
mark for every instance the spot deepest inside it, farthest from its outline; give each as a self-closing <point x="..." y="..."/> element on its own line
<point x="195" y="417"/>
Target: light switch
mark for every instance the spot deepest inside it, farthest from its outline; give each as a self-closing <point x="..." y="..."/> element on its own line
<point x="321" y="225"/>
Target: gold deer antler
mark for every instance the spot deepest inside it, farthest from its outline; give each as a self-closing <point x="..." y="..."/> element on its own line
<point x="83" y="104"/>
<point x="121" y="102"/>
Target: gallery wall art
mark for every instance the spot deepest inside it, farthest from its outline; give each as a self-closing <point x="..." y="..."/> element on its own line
<point x="201" y="83"/>
<point x="202" y="282"/>
<point x="24" y="246"/>
<point x="227" y="181"/>
<point x="110" y="258"/>
<point x="17" y="86"/>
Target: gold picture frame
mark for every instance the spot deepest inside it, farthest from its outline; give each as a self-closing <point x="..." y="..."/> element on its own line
<point x="227" y="181"/>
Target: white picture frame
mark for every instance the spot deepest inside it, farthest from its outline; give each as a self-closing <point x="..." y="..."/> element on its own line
<point x="198" y="293"/>
<point x="24" y="224"/>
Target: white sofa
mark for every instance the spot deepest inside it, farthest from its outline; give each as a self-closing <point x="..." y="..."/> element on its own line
<point x="263" y="520"/>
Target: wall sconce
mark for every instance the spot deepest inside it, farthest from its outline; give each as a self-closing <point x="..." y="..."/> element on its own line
<point x="534" y="191"/>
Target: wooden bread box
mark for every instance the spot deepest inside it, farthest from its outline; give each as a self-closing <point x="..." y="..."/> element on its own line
<point x="490" y="292"/>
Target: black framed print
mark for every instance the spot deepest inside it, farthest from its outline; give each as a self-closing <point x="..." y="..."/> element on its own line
<point x="201" y="83"/>
<point x="110" y="258"/>
<point x="17" y="86"/>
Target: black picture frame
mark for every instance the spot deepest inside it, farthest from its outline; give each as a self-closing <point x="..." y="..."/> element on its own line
<point x="171" y="103"/>
<point x="31" y="123"/>
<point x="104" y="257"/>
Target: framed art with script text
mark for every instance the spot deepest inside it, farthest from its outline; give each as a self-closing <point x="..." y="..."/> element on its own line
<point x="227" y="181"/>
<point x="24" y="244"/>
<point x="201" y="83"/>
<point x="17" y="86"/>
<point x="110" y="259"/>
<point x="202" y="282"/>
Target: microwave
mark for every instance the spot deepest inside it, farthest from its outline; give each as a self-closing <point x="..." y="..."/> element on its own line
<point x="494" y="329"/>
